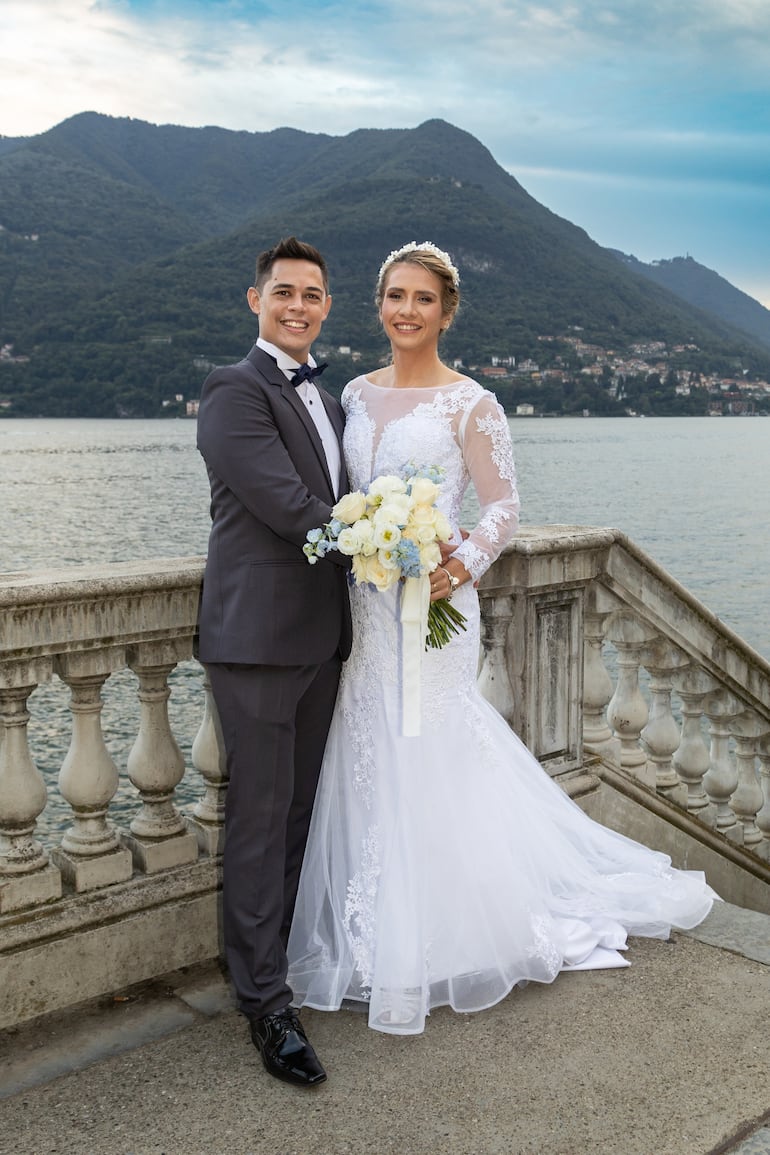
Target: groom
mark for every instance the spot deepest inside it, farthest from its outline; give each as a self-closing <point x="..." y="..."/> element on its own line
<point x="274" y="631"/>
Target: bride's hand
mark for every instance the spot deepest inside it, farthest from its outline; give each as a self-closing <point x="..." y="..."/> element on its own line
<point x="442" y="580"/>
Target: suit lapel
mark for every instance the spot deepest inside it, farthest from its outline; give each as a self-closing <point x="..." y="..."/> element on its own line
<point x="267" y="368"/>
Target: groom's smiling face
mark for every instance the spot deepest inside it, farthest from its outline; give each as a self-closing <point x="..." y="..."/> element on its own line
<point x="291" y="304"/>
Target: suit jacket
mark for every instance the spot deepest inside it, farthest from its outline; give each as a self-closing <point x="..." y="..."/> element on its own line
<point x="262" y="602"/>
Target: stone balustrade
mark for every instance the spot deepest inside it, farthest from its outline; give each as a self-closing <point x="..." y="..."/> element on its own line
<point x="591" y="648"/>
<point x="594" y="654"/>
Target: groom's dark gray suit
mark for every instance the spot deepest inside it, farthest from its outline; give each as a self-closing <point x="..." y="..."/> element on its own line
<point x="273" y="633"/>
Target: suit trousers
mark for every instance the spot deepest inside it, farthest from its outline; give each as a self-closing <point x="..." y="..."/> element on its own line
<point x="275" y="721"/>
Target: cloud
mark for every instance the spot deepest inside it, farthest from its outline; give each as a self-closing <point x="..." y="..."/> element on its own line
<point x="64" y="56"/>
<point x="503" y="66"/>
<point x="670" y="94"/>
<point x="158" y="62"/>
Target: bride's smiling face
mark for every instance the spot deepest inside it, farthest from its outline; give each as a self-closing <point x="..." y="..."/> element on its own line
<point x="411" y="312"/>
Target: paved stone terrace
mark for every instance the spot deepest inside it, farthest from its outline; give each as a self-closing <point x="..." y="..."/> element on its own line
<point x="668" y="1057"/>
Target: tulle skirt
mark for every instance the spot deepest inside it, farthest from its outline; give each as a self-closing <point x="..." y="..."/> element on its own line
<point x="448" y="868"/>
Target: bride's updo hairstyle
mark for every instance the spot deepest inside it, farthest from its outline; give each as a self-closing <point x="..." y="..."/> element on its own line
<point x="435" y="261"/>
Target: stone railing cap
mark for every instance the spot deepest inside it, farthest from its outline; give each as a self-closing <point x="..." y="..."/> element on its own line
<point x="536" y="539"/>
<point x="34" y="586"/>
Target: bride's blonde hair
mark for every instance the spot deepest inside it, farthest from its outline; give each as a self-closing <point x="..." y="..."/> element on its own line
<point x="432" y="259"/>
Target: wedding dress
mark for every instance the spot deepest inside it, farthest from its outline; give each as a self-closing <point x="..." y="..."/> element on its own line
<point x="447" y="868"/>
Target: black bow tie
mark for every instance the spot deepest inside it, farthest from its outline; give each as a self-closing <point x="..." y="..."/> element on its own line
<point x="306" y="373"/>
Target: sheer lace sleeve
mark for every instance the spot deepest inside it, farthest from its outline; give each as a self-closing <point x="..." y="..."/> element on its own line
<point x="485" y="441"/>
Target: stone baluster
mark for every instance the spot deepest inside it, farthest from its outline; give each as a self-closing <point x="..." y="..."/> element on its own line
<point x="494" y="679"/>
<point x="763" y="817"/>
<point x="747" y="800"/>
<point x="597" y="683"/>
<point x="721" y="778"/>
<point x="661" y="735"/>
<point x="27" y="877"/>
<point x="692" y="758"/>
<point x="628" y="712"/>
<point x="209" y="759"/>
<point x="159" y="837"/>
<point x="91" y="854"/>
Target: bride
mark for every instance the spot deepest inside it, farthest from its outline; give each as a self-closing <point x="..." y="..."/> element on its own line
<point x="447" y="867"/>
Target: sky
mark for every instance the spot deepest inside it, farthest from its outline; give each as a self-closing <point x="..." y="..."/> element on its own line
<point x="645" y="122"/>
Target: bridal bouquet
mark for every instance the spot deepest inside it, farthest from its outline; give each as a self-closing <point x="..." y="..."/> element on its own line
<point x="392" y="532"/>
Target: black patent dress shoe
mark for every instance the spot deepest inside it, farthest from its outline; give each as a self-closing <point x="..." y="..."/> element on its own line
<point x="286" y="1053"/>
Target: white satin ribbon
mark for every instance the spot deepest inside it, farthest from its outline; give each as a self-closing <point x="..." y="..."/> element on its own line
<point x="415" y="599"/>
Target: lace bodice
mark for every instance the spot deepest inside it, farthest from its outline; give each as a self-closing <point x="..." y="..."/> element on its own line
<point x="460" y="427"/>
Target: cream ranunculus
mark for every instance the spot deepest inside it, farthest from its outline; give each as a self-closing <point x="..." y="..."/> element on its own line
<point x="442" y="527"/>
<point x="423" y="534"/>
<point x="350" y="507"/>
<point x="424" y="491"/>
<point x="359" y="568"/>
<point x="422" y="523"/>
<point x="378" y="575"/>
<point x="430" y="556"/>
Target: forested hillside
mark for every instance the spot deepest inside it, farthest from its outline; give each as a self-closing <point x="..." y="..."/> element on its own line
<point x="126" y="249"/>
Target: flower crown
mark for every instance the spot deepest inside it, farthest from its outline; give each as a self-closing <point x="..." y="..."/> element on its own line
<point x="412" y="247"/>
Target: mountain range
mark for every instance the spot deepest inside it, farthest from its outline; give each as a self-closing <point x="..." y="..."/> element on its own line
<point x="126" y="249"/>
<point x="706" y="290"/>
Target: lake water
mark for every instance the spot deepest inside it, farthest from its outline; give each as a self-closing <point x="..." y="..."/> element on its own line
<point x="692" y="492"/>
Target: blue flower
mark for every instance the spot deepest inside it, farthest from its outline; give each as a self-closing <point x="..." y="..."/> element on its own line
<point x="407" y="553"/>
<point x="434" y="473"/>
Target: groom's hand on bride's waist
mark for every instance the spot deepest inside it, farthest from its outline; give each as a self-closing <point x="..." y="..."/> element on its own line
<point x="448" y="547"/>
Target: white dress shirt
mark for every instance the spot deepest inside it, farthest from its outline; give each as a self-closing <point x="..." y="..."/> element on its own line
<point x="311" y="399"/>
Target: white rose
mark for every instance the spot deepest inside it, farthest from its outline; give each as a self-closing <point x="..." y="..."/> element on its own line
<point x="350" y="507"/>
<point x="424" y="515"/>
<point x="349" y="540"/>
<point x="366" y="537"/>
<point x="424" y="491"/>
<point x="396" y="507"/>
<point x="386" y="485"/>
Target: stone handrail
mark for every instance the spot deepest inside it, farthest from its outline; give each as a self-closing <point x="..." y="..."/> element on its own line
<point x="590" y="650"/>
<point x="687" y="712"/>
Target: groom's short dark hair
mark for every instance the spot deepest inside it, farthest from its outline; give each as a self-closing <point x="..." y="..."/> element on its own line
<point x="289" y="249"/>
